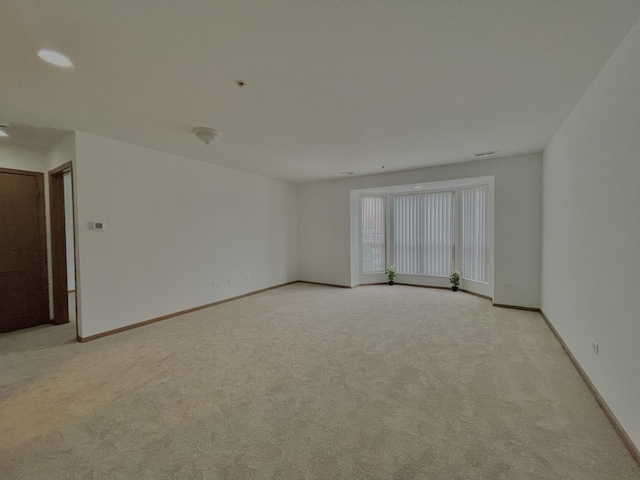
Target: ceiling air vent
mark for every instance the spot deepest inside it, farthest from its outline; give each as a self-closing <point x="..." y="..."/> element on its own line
<point x="482" y="154"/>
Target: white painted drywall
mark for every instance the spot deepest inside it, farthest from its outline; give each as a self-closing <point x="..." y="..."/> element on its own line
<point x="62" y="152"/>
<point x="22" y="158"/>
<point x="68" y="226"/>
<point x="591" y="232"/>
<point x="173" y="227"/>
<point x="324" y="234"/>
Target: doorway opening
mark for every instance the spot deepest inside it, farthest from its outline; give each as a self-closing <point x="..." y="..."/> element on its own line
<point x="63" y="251"/>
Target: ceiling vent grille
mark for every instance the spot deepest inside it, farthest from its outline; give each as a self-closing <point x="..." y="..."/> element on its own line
<point x="483" y="154"/>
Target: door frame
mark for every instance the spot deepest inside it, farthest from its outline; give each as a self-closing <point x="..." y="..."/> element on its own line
<point x="42" y="222"/>
<point x="59" y="244"/>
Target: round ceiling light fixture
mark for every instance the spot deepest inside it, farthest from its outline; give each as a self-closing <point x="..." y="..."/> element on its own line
<point x="55" y="58"/>
<point x="206" y="135"/>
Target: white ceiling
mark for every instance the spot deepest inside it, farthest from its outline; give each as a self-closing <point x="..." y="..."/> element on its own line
<point x="331" y="85"/>
<point x="34" y="137"/>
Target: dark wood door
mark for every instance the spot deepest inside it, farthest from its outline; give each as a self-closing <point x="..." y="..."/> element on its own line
<point x="24" y="300"/>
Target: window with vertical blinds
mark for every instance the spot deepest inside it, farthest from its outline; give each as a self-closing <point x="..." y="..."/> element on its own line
<point x="423" y="234"/>
<point x="475" y="245"/>
<point x="373" y="235"/>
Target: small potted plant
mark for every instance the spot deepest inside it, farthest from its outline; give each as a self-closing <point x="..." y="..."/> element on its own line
<point x="391" y="274"/>
<point x="454" y="278"/>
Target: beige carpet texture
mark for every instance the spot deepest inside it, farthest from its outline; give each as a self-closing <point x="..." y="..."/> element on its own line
<point x="307" y="382"/>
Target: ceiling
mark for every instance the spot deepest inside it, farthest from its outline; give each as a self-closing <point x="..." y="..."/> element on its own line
<point x="331" y="85"/>
<point x="33" y="137"/>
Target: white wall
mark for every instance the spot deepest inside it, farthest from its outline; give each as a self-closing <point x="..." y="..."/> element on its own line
<point x="591" y="232"/>
<point x="324" y="242"/>
<point x="62" y="152"/>
<point x="22" y="158"/>
<point x="173" y="227"/>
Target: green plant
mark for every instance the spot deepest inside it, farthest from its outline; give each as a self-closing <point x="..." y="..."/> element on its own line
<point x="391" y="272"/>
<point x="454" y="278"/>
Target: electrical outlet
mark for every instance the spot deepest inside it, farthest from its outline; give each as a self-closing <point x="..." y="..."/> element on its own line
<point x="216" y="284"/>
<point x="247" y="277"/>
<point x="508" y="286"/>
<point x="229" y="280"/>
<point x="594" y="345"/>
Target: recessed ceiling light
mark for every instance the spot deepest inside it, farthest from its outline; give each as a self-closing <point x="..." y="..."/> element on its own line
<point x="55" y="58"/>
<point x="418" y="187"/>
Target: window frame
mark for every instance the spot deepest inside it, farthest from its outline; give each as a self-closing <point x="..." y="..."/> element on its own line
<point x="487" y="290"/>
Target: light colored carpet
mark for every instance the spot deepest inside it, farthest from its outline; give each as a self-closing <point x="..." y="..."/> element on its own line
<point x="307" y="382"/>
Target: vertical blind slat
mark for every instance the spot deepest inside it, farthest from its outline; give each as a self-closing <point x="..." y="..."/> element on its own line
<point x="423" y="233"/>
<point x="373" y="235"/>
<point x="474" y="234"/>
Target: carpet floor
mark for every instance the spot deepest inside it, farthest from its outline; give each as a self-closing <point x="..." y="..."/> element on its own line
<point x="307" y="382"/>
